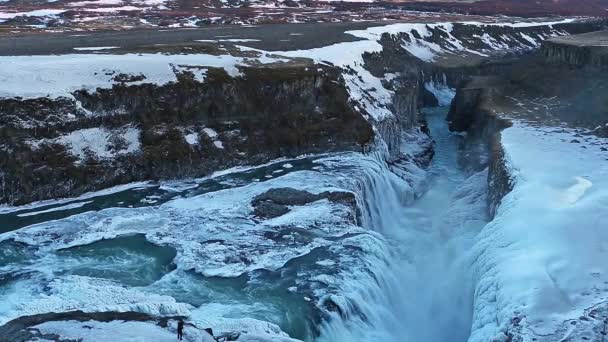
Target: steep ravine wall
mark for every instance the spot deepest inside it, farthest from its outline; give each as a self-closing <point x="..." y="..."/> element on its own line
<point x="181" y="129"/>
<point x="484" y="106"/>
<point x="584" y="50"/>
<point x="475" y="111"/>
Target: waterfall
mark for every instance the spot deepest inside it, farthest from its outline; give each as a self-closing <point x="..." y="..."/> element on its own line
<point x="418" y="288"/>
<point x="441" y="90"/>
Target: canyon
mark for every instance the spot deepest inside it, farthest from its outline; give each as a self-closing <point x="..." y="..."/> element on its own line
<point x="397" y="181"/>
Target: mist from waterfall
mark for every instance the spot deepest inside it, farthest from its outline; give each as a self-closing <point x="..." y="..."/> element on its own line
<point x="421" y="289"/>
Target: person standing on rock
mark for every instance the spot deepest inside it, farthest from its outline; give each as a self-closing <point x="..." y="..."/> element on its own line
<point x="180" y="330"/>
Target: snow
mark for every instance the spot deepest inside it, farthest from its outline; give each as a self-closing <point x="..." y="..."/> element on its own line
<point x="191" y="138"/>
<point x="38" y="76"/>
<point x="543" y="257"/>
<point x="522" y="24"/>
<point x="113" y="9"/>
<point x="232" y="40"/>
<point x="35" y="13"/>
<point x="93" y="331"/>
<point x="96" y="48"/>
<point x="95" y="3"/>
<point x="134" y="331"/>
<point x="97" y="140"/>
<point x="211" y="133"/>
<point x="367" y="90"/>
<point x="530" y="39"/>
<point x="68" y="293"/>
<point x="363" y="87"/>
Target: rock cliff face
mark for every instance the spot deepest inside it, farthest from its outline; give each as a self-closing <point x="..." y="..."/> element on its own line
<point x="582" y="50"/>
<point x="564" y="83"/>
<point x="64" y="147"/>
<point x="475" y="110"/>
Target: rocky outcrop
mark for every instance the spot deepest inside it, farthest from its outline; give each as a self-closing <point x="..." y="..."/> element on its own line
<point x="275" y="202"/>
<point x="63" y="147"/>
<point x="475" y="110"/>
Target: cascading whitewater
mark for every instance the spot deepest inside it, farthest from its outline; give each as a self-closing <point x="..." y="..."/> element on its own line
<point x="418" y="288"/>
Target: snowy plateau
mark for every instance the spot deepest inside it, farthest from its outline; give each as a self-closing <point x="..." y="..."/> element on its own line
<point x="387" y="181"/>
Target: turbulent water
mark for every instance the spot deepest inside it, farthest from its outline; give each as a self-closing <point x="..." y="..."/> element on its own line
<point x="424" y="292"/>
<point x="193" y="248"/>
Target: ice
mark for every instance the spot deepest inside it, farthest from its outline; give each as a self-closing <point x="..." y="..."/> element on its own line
<point x="442" y="92"/>
<point x="421" y="287"/>
<point x="132" y="331"/>
<point x="576" y="191"/>
<point x="542" y="259"/>
<point x="5" y="209"/>
<point x="65" y="207"/>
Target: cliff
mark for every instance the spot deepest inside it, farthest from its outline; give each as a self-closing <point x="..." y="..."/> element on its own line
<point x="63" y="147"/>
<point x="94" y="120"/>
<point x="584" y="50"/>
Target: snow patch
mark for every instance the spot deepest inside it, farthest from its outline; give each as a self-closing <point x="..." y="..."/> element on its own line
<point x="97" y="48"/>
<point x="98" y="141"/>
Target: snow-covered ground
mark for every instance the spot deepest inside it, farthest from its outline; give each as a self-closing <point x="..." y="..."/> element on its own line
<point x="542" y="260"/>
<point x="54" y="76"/>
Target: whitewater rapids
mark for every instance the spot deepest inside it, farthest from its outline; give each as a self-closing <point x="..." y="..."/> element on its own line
<point x="423" y="291"/>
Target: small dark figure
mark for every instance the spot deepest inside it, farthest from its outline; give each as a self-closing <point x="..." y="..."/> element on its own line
<point x="180" y="330"/>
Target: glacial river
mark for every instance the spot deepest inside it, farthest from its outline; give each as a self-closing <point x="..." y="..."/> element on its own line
<point x="192" y="248"/>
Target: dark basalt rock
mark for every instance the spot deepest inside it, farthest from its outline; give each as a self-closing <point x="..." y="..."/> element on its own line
<point x="269" y="112"/>
<point x="269" y="209"/>
<point x="274" y="202"/>
<point x="286" y="196"/>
